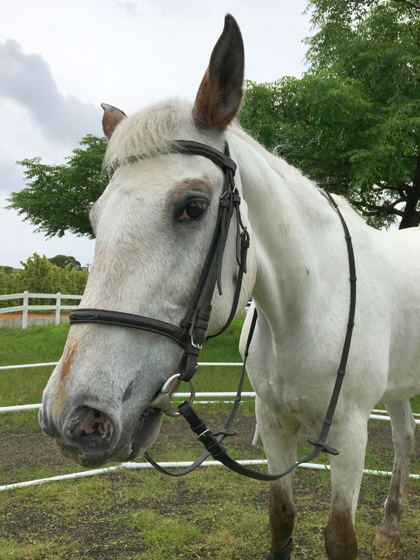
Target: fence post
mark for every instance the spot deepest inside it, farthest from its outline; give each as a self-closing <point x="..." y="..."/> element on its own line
<point x="25" y="310"/>
<point x="57" y="310"/>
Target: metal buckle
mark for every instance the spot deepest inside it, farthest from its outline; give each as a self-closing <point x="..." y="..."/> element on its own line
<point x="195" y="345"/>
<point x="162" y="400"/>
<point x="203" y="433"/>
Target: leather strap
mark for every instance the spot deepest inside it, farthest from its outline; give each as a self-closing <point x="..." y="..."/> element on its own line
<point x="199" y="149"/>
<point x="198" y="317"/>
<point x="129" y="320"/>
<point x="220" y="435"/>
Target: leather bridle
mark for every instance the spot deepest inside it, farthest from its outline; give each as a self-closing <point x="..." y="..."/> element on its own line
<point x="191" y="333"/>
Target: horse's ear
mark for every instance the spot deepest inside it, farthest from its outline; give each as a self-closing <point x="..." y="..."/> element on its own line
<point x="112" y="117"/>
<point x="220" y="94"/>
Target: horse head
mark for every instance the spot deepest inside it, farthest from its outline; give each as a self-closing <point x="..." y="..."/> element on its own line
<point x="153" y="225"/>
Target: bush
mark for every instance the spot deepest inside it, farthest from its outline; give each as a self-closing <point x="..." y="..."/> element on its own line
<point x="39" y="275"/>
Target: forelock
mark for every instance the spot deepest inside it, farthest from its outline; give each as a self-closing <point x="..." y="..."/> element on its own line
<point x="148" y="133"/>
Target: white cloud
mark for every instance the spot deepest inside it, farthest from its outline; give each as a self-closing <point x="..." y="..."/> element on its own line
<point x="60" y="60"/>
<point x="27" y="80"/>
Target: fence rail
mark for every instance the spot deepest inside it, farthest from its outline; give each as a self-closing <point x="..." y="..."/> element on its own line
<point x="380" y="415"/>
<point x="26" y="296"/>
<point x="377" y="414"/>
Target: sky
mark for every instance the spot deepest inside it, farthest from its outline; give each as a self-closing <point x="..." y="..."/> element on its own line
<point x="60" y="60"/>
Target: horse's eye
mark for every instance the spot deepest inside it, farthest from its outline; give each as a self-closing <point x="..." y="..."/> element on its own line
<point x="194" y="209"/>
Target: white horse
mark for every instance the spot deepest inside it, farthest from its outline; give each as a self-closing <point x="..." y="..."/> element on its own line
<point x="153" y="226"/>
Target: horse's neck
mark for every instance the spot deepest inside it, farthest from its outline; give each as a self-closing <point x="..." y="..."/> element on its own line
<point x="287" y="215"/>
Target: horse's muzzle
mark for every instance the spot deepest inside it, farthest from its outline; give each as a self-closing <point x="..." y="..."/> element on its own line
<point x="92" y="437"/>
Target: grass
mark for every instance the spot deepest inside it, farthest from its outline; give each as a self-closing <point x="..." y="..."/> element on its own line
<point x="213" y="513"/>
<point x="32" y="345"/>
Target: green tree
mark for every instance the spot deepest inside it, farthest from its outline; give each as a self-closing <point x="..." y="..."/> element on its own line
<point x="39" y="275"/>
<point x="352" y="122"/>
<point x="7" y="269"/>
<point x="58" y="197"/>
<point x="11" y="284"/>
<point x="63" y="260"/>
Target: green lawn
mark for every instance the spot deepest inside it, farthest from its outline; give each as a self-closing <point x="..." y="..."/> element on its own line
<point x="45" y="344"/>
<point x="142" y="515"/>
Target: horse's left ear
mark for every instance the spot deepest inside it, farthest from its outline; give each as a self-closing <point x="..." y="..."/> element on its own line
<point x="220" y="94"/>
<point x="112" y="117"/>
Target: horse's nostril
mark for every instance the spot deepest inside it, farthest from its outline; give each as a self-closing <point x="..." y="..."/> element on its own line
<point x="97" y="424"/>
<point x="90" y="428"/>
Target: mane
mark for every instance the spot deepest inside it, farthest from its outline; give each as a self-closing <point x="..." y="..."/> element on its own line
<point x="148" y="133"/>
<point x="301" y="185"/>
<point x="277" y="163"/>
<point x="152" y="131"/>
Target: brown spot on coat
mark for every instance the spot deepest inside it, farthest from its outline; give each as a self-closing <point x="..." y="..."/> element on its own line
<point x="340" y="538"/>
<point x="61" y="384"/>
<point x="189" y="185"/>
<point x="282" y="516"/>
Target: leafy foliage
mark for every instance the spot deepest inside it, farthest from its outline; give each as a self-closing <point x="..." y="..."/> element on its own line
<point x="62" y="261"/>
<point x="352" y="122"/>
<point x="58" y="197"/>
<point x="39" y="275"/>
<point x="7" y="269"/>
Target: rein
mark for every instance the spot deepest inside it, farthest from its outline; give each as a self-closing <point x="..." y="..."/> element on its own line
<point x="191" y="334"/>
<point x="213" y="443"/>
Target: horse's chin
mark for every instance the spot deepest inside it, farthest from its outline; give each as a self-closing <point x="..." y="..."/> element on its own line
<point x="142" y="437"/>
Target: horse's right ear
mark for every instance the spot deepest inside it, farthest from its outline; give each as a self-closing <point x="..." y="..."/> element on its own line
<point x="220" y="94"/>
<point x="112" y="117"/>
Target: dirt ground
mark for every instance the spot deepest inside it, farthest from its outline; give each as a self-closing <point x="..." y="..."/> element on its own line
<point x="99" y="543"/>
<point x="38" y="450"/>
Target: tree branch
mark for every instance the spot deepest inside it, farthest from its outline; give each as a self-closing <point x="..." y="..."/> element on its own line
<point x="416" y="6"/>
<point x="376" y="210"/>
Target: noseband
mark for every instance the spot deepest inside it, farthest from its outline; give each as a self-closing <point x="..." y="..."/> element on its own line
<point x="191" y="333"/>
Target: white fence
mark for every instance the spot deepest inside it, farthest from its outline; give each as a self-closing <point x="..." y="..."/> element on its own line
<point x="379" y="415"/>
<point x="26" y="296"/>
